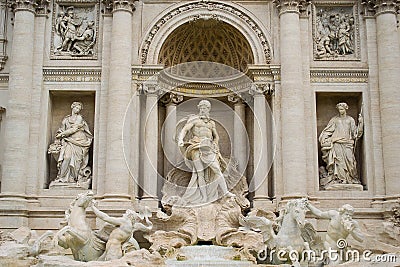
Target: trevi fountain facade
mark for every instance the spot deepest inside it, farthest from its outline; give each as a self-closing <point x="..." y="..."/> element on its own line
<point x="199" y="132"/>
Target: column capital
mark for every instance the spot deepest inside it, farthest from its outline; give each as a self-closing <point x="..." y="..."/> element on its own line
<point x="152" y="89"/>
<point x="172" y="99"/>
<point x="20" y="5"/>
<point x="261" y="89"/>
<point x="42" y="7"/>
<point x="34" y="6"/>
<point x="291" y="6"/>
<point x="236" y="99"/>
<point x="111" y="6"/>
<point x="381" y="6"/>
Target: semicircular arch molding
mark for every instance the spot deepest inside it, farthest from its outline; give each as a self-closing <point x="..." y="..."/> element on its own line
<point x="255" y="33"/>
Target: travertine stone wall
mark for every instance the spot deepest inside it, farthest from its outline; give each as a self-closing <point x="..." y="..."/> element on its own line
<point x="37" y="89"/>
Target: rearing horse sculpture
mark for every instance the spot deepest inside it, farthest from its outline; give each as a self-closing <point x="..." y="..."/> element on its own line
<point x="293" y="232"/>
<point x="77" y="235"/>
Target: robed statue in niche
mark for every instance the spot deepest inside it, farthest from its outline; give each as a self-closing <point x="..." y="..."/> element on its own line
<point x="71" y="149"/>
<point x="338" y="140"/>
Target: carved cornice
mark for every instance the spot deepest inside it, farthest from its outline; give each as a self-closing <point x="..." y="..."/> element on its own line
<point x="71" y="75"/>
<point x="118" y="5"/>
<point x="268" y="74"/>
<point x="296" y="6"/>
<point x="339" y="76"/>
<point x="210" y="6"/>
<point x="380" y="6"/>
<point x="4" y="78"/>
<point x="39" y="7"/>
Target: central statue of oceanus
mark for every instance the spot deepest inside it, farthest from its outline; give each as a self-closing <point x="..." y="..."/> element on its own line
<point x="198" y="141"/>
<point x="205" y="176"/>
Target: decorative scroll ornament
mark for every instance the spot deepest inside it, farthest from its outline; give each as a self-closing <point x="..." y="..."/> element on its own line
<point x="172" y="98"/>
<point x="152" y="89"/>
<point x="235" y="99"/>
<point x="262" y="89"/>
<point x="42" y="7"/>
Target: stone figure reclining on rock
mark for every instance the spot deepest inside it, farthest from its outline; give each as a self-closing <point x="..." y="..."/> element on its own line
<point x="122" y="235"/>
<point x="106" y="244"/>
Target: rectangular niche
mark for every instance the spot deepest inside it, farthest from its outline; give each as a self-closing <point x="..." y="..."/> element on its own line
<point x="59" y="107"/>
<point x="336" y="33"/>
<point x="75" y="29"/>
<point x="337" y="144"/>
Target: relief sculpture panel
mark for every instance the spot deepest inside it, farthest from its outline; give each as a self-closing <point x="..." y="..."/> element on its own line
<point x="75" y="30"/>
<point x="335" y="33"/>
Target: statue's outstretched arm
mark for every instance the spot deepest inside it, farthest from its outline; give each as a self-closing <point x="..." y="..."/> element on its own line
<point x="105" y="217"/>
<point x="142" y="227"/>
<point x="319" y="213"/>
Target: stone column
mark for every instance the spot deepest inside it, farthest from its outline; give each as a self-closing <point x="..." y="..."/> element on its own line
<point x="117" y="177"/>
<point x="240" y="140"/>
<point x="150" y="157"/>
<point x="259" y="182"/>
<point x="389" y="87"/>
<point x="292" y="102"/>
<point x="19" y="102"/>
<point x="170" y="147"/>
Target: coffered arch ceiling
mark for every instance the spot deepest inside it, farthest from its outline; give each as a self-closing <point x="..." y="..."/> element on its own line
<point x="207" y="40"/>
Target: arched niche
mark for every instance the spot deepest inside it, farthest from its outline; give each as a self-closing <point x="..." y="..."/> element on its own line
<point x="238" y="17"/>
